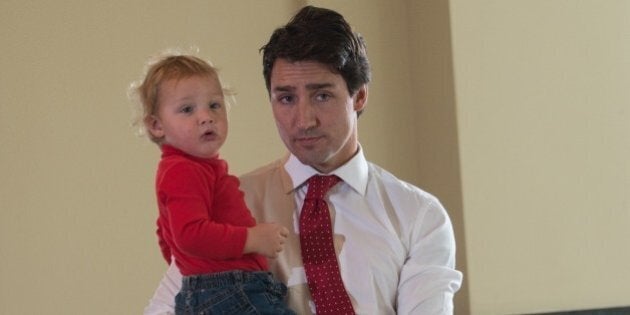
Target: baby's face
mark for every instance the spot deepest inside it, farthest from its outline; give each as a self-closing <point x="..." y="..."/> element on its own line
<point x="191" y="115"/>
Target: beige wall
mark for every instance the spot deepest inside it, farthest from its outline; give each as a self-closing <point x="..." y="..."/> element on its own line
<point x="77" y="212"/>
<point x="543" y="101"/>
<point x="518" y="123"/>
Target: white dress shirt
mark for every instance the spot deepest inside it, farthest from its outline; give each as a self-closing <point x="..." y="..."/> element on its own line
<point x="395" y="243"/>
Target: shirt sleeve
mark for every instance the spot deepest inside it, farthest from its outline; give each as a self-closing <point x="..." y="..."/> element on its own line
<point x="187" y="195"/>
<point x="428" y="279"/>
<point x="163" y="300"/>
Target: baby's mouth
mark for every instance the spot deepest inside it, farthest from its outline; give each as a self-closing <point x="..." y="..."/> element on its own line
<point x="208" y="135"/>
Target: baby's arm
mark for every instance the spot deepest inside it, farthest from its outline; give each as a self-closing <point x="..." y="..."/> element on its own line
<point x="191" y="213"/>
<point x="266" y="239"/>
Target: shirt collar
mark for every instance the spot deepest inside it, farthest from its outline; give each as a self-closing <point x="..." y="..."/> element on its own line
<point x="169" y="150"/>
<point x="354" y="172"/>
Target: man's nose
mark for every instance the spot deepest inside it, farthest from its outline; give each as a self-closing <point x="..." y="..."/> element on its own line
<point x="306" y="115"/>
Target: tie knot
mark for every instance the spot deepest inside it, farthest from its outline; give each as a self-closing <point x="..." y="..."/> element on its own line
<point x="318" y="185"/>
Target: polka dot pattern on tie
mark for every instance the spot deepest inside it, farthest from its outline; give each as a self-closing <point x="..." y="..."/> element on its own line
<point x="318" y="250"/>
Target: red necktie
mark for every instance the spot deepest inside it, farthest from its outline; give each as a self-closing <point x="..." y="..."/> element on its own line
<point x="318" y="251"/>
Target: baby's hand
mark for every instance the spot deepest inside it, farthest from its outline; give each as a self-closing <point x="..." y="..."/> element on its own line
<point x="266" y="239"/>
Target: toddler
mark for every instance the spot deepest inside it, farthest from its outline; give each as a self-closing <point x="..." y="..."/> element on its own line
<point x="203" y="222"/>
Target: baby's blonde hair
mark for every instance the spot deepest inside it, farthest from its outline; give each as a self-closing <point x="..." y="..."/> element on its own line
<point x="172" y="64"/>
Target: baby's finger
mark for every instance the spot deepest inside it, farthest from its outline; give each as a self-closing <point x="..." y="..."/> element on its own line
<point x="284" y="232"/>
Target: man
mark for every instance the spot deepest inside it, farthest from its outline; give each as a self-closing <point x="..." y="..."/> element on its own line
<point x="392" y="244"/>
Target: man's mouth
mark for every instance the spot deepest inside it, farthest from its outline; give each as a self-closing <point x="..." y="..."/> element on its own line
<point x="308" y="140"/>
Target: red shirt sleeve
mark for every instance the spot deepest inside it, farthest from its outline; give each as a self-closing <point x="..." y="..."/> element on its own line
<point x="186" y="193"/>
<point x="164" y="248"/>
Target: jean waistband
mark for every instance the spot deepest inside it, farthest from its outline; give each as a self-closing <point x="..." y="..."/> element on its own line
<point x="224" y="278"/>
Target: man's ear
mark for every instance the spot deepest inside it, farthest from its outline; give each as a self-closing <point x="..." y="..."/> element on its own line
<point x="154" y="126"/>
<point x="360" y="98"/>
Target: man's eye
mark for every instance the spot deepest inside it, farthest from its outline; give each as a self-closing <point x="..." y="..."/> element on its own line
<point x="323" y="97"/>
<point x="286" y="99"/>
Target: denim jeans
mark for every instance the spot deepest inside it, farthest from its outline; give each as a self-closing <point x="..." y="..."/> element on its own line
<point x="232" y="292"/>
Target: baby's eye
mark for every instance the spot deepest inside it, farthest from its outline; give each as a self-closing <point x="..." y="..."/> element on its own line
<point x="215" y="105"/>
<point x="187" y="109"/>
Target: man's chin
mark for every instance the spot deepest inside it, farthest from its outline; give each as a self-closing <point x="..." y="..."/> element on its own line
<point x="312" y="159"/>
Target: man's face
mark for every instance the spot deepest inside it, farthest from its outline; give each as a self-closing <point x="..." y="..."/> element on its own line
<point x="315" y="114"/>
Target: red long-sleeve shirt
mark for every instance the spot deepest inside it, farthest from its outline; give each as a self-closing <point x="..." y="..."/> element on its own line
<point x="203" y="218"/>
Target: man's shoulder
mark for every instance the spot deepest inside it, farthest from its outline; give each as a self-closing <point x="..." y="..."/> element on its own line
<point x="392" y="183"/>
<point x="264" y="171"/>
<point x="267" y="176"/>
<point x="266" y="188"/>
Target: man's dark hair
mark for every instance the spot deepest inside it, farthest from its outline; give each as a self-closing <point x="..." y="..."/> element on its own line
<point x="321" y="35"/>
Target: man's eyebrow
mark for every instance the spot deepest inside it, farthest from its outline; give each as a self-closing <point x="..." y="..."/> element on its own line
<point x="310" y="87"/>
<point x="284" y="88"/>
<point x="317" y="86"/>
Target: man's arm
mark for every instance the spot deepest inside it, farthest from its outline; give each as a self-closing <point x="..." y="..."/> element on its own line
<point x="163" y="300"/>
<point x="428" y="280"/>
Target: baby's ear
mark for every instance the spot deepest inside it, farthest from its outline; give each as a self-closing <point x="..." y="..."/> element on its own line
<point x="154" y="127"/>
